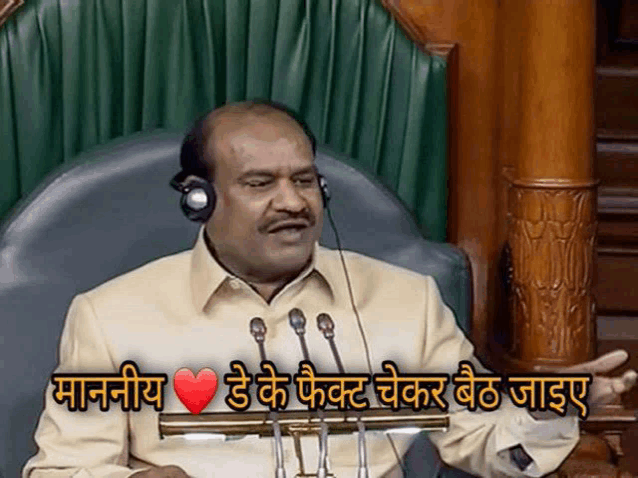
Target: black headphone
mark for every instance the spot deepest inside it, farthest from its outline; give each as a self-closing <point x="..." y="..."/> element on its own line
<point x="198" y="195"/>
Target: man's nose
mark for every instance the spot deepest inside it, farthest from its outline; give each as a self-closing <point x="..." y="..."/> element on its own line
<point x="289" y="198"/>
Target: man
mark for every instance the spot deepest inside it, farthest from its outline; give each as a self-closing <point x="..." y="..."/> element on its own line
<point x="257" y="255"/>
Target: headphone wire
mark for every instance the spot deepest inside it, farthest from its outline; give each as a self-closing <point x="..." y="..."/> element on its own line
<point x="360" y="325"/>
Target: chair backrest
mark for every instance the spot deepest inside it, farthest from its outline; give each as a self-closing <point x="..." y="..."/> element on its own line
<point x="111" y="211"/>
<point x="78" y="73"/>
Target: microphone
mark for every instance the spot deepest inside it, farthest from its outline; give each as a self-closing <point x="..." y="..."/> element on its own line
<point x="327" y="327"/>
<point x="258" y="331"/>
<point x="298" y="322"/>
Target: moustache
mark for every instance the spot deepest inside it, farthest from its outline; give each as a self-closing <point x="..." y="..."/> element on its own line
<point x="305" y="218"/>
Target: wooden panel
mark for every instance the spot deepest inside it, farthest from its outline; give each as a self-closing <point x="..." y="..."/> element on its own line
<point x="617" y="165"/>
<point x="7" y="7"/>
<point x="617" y="272"/>
<point x="617" y="103"/>
<point x="628" y="22"/>
<point x="617" y="41"/>
<point x="617" y="285"/>
<point x="618" y="220"/>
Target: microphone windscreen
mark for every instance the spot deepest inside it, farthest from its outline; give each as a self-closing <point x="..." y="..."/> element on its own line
<point x="258" y="328"/>
<point x="297" y="320"/>
<point x="326" y="325"/>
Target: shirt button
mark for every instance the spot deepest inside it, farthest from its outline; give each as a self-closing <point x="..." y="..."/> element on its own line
<point x="234" y="284"/>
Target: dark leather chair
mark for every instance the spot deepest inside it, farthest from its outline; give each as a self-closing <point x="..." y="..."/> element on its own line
<point x="112" y="210"/>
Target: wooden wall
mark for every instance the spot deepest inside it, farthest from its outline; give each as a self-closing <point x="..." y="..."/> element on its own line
<point x="473" y="215"/>
<point x="617" y="168"/>
<point x="617" y="156"/>
<point x="508" y="65"/>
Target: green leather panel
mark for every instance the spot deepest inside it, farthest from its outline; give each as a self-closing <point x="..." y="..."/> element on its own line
<point x="76" y="73"/>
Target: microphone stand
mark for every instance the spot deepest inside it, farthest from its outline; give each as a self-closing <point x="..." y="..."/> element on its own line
<point x="327" y="327"/>
<point x="298" y="323"/>
<point x="258" y="331"/>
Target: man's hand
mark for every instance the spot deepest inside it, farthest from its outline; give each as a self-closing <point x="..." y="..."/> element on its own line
<point x="604" y="390"/>
<point x="170" y="471"/>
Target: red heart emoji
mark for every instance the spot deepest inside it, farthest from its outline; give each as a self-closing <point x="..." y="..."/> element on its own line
<point x="195" y="393"/>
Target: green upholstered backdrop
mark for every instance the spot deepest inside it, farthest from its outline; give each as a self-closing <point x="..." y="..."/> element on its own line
<point x="76" y="73"/>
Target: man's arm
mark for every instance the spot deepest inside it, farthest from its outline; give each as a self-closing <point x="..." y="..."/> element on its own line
<point x="488" y="443"/>
<point x="91" y="443"/>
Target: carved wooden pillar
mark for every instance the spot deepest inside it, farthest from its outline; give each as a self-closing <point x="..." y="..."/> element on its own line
<point x="552" y="196"/>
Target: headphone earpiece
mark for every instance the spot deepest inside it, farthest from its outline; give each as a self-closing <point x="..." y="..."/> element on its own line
<point x="198" y="196"/>
<point x="325" y="192"/>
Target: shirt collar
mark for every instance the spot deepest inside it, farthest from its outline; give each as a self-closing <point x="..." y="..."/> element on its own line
<point x="207" y="275"/>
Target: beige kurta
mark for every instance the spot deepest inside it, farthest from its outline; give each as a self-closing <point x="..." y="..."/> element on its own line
<point x="187" y="311"/>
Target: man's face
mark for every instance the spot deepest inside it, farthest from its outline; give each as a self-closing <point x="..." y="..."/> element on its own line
<point x="269" y="208"/>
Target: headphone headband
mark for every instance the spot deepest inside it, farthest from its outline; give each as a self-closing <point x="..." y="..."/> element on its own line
<point x="199" y="198"/>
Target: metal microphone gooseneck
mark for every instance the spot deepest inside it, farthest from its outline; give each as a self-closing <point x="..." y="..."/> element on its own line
<point x="298" y="323"/>
<point x="326" y="326"/>
<point x="258" y="331"/>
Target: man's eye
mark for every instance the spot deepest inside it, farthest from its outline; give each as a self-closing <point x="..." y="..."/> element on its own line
<point x="258" y="184"/>
<point x="304" y="181"/>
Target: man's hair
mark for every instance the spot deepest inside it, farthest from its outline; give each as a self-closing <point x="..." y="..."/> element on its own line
<point x="192" y="156"/>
